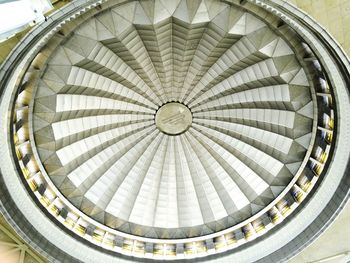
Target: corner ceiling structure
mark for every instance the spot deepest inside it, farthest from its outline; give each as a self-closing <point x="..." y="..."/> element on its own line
<point x="14" y="250"/>
<point x="172" y="130"/>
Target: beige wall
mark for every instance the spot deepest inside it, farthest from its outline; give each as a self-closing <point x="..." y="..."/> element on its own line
<point x="13" y="249"/>
<point x="334" y="15"/>
<point x="8" y="45"/>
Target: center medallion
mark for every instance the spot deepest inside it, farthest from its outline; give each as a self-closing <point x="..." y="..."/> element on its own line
<point x="173" y="118"/>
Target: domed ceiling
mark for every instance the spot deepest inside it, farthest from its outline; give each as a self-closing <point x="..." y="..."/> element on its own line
<point x="173" y="129"/>
<point x="99" y="96"/>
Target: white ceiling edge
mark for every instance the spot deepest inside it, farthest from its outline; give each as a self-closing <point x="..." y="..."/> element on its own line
<point x="15" y="16"/>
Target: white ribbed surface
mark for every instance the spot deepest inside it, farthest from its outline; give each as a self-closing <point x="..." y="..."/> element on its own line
<point x="103" y="86"/>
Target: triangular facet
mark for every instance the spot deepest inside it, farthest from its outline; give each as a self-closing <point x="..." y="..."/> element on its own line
<point x="43" y="153"/>
<point x="160" y="12"/>
<point x="151" y="233"/>
<point x="87" y="206"/>
<point x="60" y="58"/>
<point x="304" y="140"/>
<point x="52" y="169"/>
<point x="57" y="179"/>
<point x="141" y="17"/>
<point x="127" y="11"/>
<point x="52" y="76"/>
<point x="102" y="32"/>
<point x="252" y="24"/>
<point x="190" y="232"/>
<point x="205" y="230"/>
<point x="239" y="27"/>
<point x="120" y="23"/>
<point x="267" y="196"/>
<point x="202" y="14"/>
<point x="56" y="86"/>
<point x="256" y="208"/>
<point x="178" y="233"/>
<point x="300" y="79"/>
<point x="39" y="108"/>
<point x="61" y="71"/>
<point x="307" y="110"/>
<point x="45" y="144"/>
<point x="222" y="19"/>
<point x="299" y="96"/>
<point x="43" y="90"/>
<point x="246" y="211"/>
<point x="100" y="217"/>
<point x="81" y="45"/>
<point x="269" y="48"/>
<point x="112" y="221"/>
<point x="88" y="29"/>
<point x="125" y="228"/>
<point x="76" y="201"/>
<point x="53" y="160"/>
<point x="39" y="123"/>
<point x="148" y="7"/>
<point x="276" y="190"/>
<point x="293" y="167"/>
<point x="282" y="49"/>
<point x="49" y="102"/>
<point x="289" y="75"/>
<point x="170" y="5"/>
<point x="45" y="132"/>
<point x="302" y="125"/>
<point x="48" y="117"/>
<point x="192" y="6"/>
<point x="181" y="12"/>
<point x="106" y="19"/>
<point x="215" y="7"/>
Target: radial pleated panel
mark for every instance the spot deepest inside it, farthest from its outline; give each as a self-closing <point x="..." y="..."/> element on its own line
<point x="95" y="106"/>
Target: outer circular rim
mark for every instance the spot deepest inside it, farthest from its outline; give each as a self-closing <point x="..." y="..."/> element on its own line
<point x="251" y="224"/>
<point x="342" y="103"/>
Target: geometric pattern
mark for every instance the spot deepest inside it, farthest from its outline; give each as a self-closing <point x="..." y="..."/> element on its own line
<point x="94" y="128"/>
